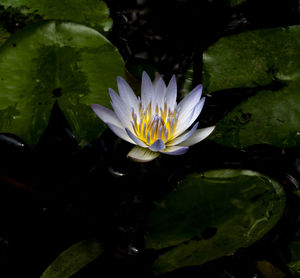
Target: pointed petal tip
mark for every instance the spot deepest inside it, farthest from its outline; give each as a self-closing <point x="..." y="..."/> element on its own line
<point x="199" y="87"/>
<point x="157" y="146"/>
<point x="93" y="105"/>
<point x="106" y="115"/>
<point x="145" y="74"/>
<point x="120" y="79"/>
<point x="98" y="109"/>
<point x="111" y="91"/>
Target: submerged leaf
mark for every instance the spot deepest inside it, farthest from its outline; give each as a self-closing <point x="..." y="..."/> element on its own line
<point x="205" y="218"/>
<point x="73" y="259"/>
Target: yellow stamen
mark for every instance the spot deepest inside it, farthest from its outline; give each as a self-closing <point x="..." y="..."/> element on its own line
<point x="150" y="127"/>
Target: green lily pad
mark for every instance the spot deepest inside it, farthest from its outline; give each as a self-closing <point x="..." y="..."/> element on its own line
<point x="56" y="61"/>
<point x="73" y="259"/>
<point x="210" y="216"/>
<point x="255" y="59"/>
<point x="293" y="259"/>
<point x="234" y="3"/>
<point x="93" y="13"/>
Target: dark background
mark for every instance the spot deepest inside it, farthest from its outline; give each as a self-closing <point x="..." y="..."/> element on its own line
<point x="59" y="193"/>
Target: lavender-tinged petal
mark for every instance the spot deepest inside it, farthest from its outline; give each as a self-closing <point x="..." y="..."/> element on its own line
<point x="159" y="83"/>
<point x="159" y="93"/>
<point x="188" y="103"/>
<point x="113" y="95"/>
<point x="175" y="150"/>
<point x="183" y="137"/>
<point x="120" y="132"/>
<point x="182" y="125"/>
<point x="106" y="115"/>
<point x="136" y="140"/>
<point x="198" y="136"/>
<point x="122" y="110"/>
<point x="147" y="90"/>
<point x="127" y="94"/>
<point x="184" y="122"/>
<point x="195" y="94"/>
<point x="171" y="93"/>
<point x="142" y="154"/>
<point x="197" y="110"/>
<point x="157" y="146"/>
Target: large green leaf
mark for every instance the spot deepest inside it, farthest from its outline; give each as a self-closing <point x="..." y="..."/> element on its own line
<point x="93" y="13"/>
<point x="206" y="217"/>
<point x="255" y="59"/>
<point x="73" y="259"/>
<point x="50" y="61"/>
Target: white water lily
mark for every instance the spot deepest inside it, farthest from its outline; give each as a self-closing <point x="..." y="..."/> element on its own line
<point x="154" y="122"/>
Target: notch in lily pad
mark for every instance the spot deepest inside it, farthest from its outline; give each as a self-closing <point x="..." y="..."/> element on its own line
<point x="57" y="92"/>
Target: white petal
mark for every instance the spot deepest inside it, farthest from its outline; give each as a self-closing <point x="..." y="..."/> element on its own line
<point x="188" y="110"/>
<point x="157" y="146"/>
<point x="136" y="140"/>
<point x="171" y="93"/>
<point x="127" y="94"/>
<point x="121" y="109"/>
<point x="175" y="150"/>
<point x="187" y="105"/>
<point x="196" y="112"/>
<point x="142" y="154"/>
<point x="183" y="137"/>
<point x="185" y="122"/>
<point x="198" y="136"/>
<point x="106" y="115"/>
<point x="147" y="90"/>
<point x="159" y="93"/>
<point x="120" y="133"/>
<point x="159" y="82"/>
<point x="182" y="124"/>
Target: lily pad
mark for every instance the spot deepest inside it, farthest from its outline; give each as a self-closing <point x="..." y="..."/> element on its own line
<point x="256" y="59"/>
<point x="210" y="216"/>
<point x="234" y="3"/>
<point x="93" y="13"/>
<point x="56" y="61"/>
<point x="73" y="259"/>
<point x="293" y="258"/>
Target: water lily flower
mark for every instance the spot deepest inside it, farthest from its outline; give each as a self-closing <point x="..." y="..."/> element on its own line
<point x="154" y="122"/>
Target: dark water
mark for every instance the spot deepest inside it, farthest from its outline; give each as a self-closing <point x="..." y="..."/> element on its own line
<point x="59" y="193"/>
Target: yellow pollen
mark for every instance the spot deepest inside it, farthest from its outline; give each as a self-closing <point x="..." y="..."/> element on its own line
<point x="154" y="123"/>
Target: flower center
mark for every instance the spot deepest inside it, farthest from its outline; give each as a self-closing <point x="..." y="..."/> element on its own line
<point x="154" y="123"/>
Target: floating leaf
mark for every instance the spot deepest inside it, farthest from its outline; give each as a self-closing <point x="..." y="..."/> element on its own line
<point x="267" y="269"/>
<point x="234" y="3"/>
<point x="50" y="61"/>
<point x="73" y="259"/>
<point x="206" y="217"/>
<point x="255" y="59"/>
<point x="293" y="258"/>
<point x="93" y="13"/>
